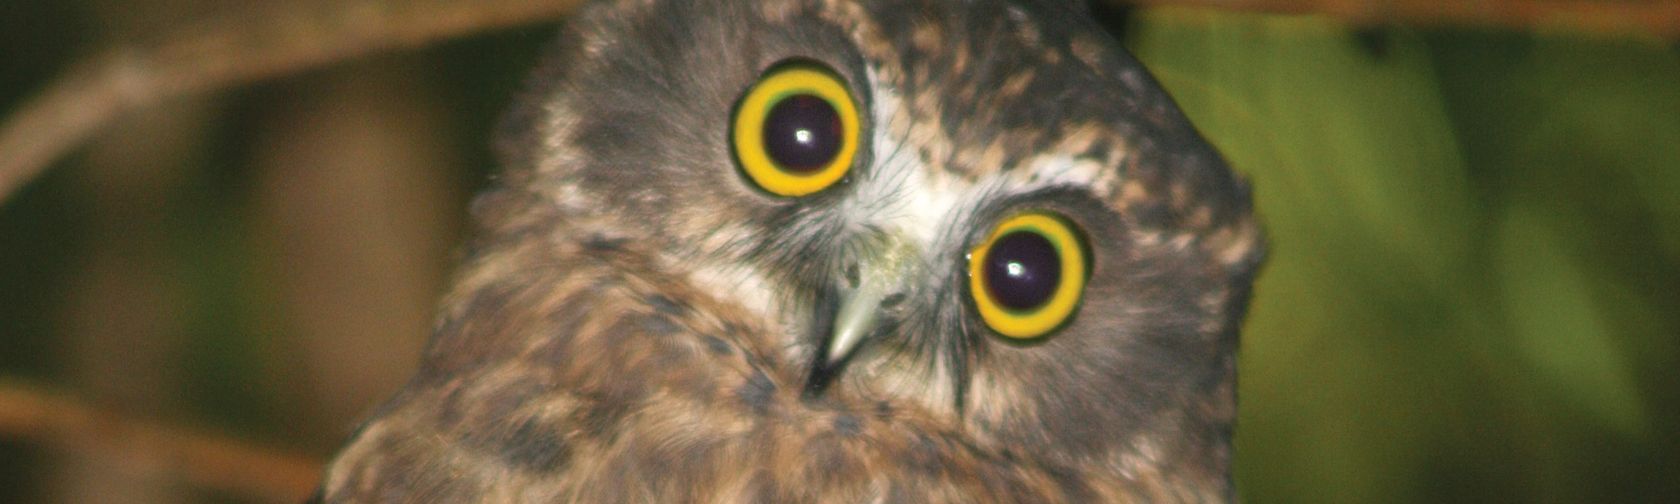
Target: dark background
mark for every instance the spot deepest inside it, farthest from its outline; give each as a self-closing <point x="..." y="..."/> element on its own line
<point x="1472" y="294"/>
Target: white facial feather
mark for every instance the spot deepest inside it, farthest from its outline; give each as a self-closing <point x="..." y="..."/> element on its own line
<point x="902" y="194"/>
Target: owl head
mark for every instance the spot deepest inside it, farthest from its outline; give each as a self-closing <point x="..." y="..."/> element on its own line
<point x="983" y="209"/>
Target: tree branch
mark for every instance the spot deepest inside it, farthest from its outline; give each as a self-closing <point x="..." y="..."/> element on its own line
<point x="290" y="37"/>
<point x="174" y="454"/>
<point x="1659" y="18"/>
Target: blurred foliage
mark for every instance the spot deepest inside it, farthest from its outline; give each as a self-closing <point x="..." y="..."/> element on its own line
<point x="1472" y="289"/>
<point x="1471" y="294"/>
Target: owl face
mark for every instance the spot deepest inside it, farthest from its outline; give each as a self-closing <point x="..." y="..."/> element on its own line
<point x="984" y="209"/>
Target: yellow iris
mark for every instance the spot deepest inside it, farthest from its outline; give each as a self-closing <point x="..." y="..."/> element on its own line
<point x="749" y="126"/>
<point x="1041" y="318"/>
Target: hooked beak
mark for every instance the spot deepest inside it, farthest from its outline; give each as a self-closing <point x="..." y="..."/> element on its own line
<point x="881" y="274"/>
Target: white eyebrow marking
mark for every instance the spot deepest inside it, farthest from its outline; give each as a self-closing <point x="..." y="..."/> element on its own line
<point x="906" y="194"/>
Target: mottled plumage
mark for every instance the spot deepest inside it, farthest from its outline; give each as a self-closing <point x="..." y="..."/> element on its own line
<point x="636" y="322"/>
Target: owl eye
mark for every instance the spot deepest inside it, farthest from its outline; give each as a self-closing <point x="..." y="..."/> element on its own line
<point x="795" y="131"/>
<point x="1028" y="276"/>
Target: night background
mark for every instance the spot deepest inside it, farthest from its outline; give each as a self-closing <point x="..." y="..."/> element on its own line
<point x="1473" y="291"/>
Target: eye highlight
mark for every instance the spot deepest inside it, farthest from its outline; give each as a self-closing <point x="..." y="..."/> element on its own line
<point x="795" y="131"/>
<point x="1028" y="276"/>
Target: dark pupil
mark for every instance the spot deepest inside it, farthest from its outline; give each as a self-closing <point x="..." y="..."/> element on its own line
<point x="802" y="133"/>
<point x="1022" y="270"/>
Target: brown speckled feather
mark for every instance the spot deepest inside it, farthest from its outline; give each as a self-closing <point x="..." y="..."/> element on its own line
<point x="667" y="396"/>
<point x="636" y="324"/>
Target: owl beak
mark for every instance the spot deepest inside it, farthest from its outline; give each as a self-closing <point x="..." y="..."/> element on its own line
<point x="878" y="286"/>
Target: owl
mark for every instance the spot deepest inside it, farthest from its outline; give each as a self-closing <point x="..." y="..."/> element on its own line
<point x="833" y="251"/>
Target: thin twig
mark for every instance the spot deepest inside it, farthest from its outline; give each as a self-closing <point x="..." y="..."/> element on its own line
<point x="1656" y="18"/>
<point x="226" y="52"/>
<point x="173" y="454"/>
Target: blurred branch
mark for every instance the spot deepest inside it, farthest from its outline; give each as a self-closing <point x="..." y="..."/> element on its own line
<point x="1659" y="18"/>
<point x="285" y="38"/>
<point x="201" y="460"/>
